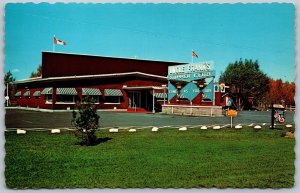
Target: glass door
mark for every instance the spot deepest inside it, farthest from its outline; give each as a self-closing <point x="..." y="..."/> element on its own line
<point x="134" y="99"/>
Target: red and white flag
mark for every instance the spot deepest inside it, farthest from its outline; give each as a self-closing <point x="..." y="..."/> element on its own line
<point x="60" y="42"/>
<point x="194" y="54"/>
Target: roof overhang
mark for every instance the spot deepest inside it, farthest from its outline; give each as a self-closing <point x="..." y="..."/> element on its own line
<point x="97" y="76"/>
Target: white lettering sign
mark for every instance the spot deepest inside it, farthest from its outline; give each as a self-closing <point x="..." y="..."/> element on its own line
<point x="191" y="68"/>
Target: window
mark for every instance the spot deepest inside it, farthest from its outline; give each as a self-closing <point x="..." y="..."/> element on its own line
<point x="49" y="98"/>
<point x="18" y="94"/>
<point x="66" y="95"/>
<point x="95" y="99"/>
<point x="113" y="99"/>
<point x="91" y="93"/>
<point x="112" y="96"/>
<point x="27" y="94"/>
<point x="65" y="98"/>
<point x="37" y="94"/>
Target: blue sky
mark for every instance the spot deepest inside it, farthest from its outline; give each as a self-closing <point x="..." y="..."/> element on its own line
<point x="169" y="32"/>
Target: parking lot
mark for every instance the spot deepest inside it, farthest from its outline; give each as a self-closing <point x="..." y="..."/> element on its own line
<point x="31" y="119"/>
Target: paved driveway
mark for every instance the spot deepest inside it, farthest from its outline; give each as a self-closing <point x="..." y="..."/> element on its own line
<point x="31" y="119"/>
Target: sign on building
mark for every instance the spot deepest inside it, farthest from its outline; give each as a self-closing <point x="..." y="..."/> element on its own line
<point x="190" y="80"/>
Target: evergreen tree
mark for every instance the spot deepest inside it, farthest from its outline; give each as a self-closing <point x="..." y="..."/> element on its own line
<point x="86" y="122"/>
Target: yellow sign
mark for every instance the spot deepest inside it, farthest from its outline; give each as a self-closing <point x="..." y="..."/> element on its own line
<point x="231" y="113"/>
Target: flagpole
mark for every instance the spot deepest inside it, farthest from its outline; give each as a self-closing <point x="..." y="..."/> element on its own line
<point x="53" y="47"/>
<point x="192" y="57"/>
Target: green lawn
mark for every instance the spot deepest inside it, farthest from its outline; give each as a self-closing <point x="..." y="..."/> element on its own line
<point x="167" y="159"/>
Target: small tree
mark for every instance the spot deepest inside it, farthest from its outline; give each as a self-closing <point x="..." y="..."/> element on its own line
<point x="86" y="122"/>
<point x="8" y="81"/>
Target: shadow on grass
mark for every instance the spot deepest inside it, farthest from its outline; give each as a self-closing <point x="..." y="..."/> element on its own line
<point x="102" y="140"/>
<point x="96" y="142"/>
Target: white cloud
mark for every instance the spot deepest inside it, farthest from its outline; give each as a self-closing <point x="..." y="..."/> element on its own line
<point x="15" y="70"/>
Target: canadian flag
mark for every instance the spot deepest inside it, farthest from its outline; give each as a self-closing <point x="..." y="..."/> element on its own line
<point x="60" y="42"/>
<point x="194" y="54"/>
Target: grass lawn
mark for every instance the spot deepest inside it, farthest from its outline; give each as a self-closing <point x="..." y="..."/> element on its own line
<point x="165" y="159"/>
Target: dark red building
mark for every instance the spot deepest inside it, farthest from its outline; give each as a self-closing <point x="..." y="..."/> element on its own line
<point x="114" y="83"/>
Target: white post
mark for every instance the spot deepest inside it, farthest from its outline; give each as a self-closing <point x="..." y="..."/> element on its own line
<point x="231" y="122"/>
<point x="7" y="94"/>
<point x="153" y="98"/>
<point x="164" y="95"/>
<point x="213" y="94"/>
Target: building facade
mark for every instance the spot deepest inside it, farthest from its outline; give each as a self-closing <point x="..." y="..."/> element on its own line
<point x="113" y="83"/>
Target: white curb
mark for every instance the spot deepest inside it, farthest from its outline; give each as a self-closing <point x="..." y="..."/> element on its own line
<point x="203" y="127"/>
<point x="113" y="130"/>
<point x="238" y="127"/>
<point x="216" y="127"/>
<point x="21" y="131"/>
<point x="182" y="129"/>
<point x="154" y="129"/>
<point x="55" y="130"/>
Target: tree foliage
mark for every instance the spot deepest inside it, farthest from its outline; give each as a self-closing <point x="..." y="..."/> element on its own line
<point x="281" y="92"/>
<point x="8" y="78"/>
<point x="86" y="122"/>
<point x="38" y="72"/>
<point x="245" y="79"/>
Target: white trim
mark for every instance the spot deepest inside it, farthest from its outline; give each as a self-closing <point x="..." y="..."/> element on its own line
<point x="90" y="76"/>
<point x="125" y="87"/>
<point x="68" y="103"/>
<point x="111" y="103"/>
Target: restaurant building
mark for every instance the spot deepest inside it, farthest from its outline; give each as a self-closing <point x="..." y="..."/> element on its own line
<point x="114" y="83"/>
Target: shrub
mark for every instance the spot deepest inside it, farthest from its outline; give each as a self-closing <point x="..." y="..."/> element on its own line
<point x="86" y="121"/>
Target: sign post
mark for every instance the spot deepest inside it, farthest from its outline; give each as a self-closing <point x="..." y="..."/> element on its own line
<point x="231" y="113"/>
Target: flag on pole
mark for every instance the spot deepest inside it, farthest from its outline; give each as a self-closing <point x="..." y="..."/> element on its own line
<point x="60" y="42"/>
<point x="194" y="54"/>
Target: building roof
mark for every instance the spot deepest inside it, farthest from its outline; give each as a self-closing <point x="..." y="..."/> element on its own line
<point x="96" y="76"/>
<point x="55" y="64"/>
<point x="113" y="57"/>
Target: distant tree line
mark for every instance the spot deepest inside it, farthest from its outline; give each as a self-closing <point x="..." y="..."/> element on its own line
<point x="38" y="72"/>
<point x="250" y="87"/>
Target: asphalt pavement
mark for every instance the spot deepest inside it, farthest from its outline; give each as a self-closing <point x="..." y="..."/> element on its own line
<point x="15" y="118"/>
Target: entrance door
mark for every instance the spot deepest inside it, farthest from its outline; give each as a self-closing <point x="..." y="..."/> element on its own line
<point x="134" y="98"/>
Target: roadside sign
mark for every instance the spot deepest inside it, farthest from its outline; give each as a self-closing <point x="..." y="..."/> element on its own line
<point x="231" y="113"/>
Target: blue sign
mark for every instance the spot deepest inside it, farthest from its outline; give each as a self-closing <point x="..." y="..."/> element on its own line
<point x="172" y="91"/>
<point x="208" y="91"/>
<point x="186" y="80"/>
<point x="190" y="91"/>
